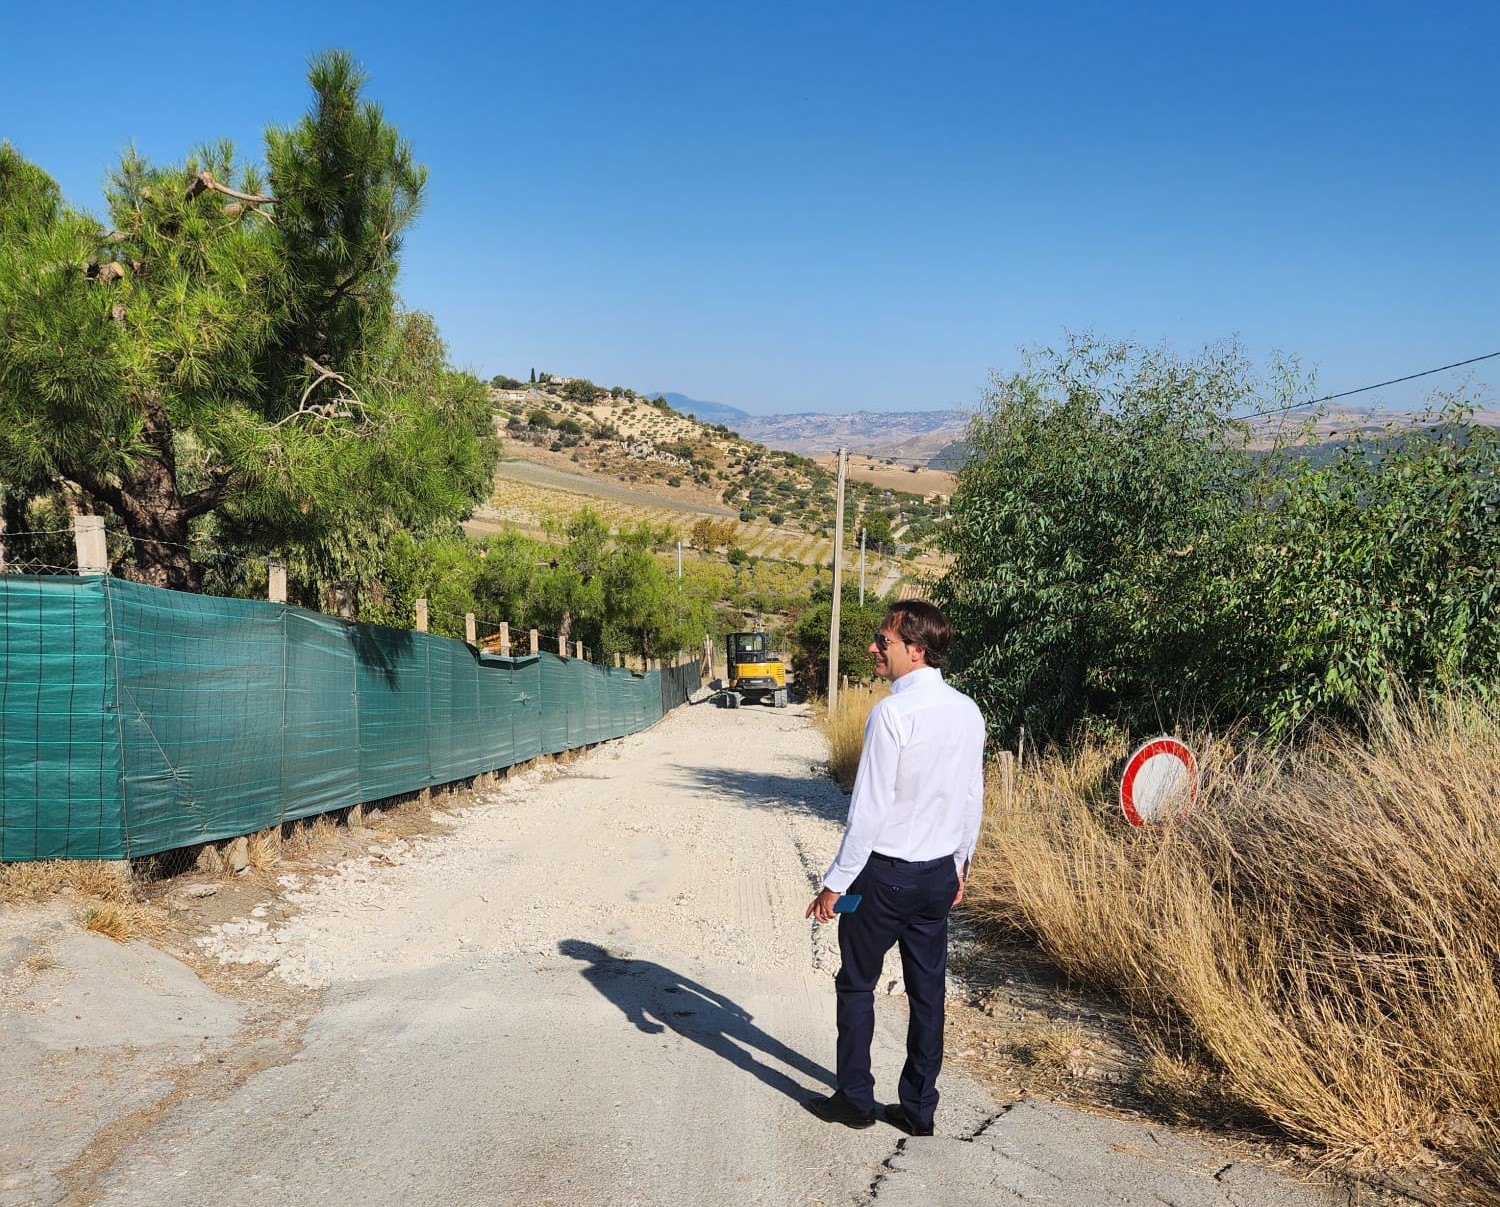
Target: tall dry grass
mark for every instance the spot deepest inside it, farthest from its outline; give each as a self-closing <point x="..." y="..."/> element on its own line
<point x="1317" y="946"/>
<point x="47" y="878"/>
<point x="845" y="728"/>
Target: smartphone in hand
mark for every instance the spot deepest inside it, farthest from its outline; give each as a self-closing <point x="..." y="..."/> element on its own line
<point x="847" y="904"/>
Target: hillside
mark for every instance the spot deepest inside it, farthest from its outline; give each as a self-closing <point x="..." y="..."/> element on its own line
<point x="602" y="447"/>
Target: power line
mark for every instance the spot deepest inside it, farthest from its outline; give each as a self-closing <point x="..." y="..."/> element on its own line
<point x="1312" y="402"/>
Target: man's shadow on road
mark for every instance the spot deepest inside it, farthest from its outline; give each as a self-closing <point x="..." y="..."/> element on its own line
<point x="655" y="998"/>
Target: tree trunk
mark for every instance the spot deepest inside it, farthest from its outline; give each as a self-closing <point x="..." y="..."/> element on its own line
<point x="157" y="516"/>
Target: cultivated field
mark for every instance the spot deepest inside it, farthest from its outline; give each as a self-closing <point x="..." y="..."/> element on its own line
<point x="878" y="471"/>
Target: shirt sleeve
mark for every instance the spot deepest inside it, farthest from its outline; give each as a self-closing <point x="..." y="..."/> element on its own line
<point x="973" y="805"/>
<point x="874" y="795"/>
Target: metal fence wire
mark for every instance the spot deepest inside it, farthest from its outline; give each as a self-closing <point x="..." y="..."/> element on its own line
<point x="42" y="551"/>
<point x="135" y="720"/>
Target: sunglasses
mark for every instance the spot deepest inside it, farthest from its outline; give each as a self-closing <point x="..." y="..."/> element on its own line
<point x="882" y="642"/>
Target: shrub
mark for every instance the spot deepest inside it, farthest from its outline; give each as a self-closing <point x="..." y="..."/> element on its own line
<point x="1105" y="484"/>
<point x="1117" y="552"/>
<point x="857" y="625"/>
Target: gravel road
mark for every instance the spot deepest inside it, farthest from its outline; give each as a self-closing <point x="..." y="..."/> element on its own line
<point x="596" y="986"/>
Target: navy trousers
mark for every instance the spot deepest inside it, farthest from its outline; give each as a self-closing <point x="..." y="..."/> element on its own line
<point x="905" y="904"/>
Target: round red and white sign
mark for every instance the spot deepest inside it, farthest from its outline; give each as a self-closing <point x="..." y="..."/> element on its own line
<point x="1160" y="782"/>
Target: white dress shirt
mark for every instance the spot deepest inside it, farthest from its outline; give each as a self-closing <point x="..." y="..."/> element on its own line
<point x="919" y="790"/>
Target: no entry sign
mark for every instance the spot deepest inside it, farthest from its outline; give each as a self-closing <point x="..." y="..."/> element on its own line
<point x="1160" y="782"/>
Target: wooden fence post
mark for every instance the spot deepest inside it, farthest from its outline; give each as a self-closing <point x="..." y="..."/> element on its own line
<point x="421" y="616"/>
<point x="562" y="646"/>
<point x="578" y="649"/>
<point x="88" y="539"/>
<point x="276" y="576"/>
<point x="1007" y="763"/>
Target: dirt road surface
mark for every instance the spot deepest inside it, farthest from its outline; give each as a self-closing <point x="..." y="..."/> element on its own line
<point x="595" y="986"/>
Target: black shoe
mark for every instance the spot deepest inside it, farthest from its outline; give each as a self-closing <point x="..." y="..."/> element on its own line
<point x="837" y="1109"/>
<point x="896" y="1116"/>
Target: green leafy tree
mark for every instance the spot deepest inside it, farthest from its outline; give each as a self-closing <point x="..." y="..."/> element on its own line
<point x="224" y="350"/>
<point x="877" y="525"/>
<point x="857" y="626"/>
<point x="1375" y="573"/>
<point x="1098" y="537"/>
<point x="581" y="391"/>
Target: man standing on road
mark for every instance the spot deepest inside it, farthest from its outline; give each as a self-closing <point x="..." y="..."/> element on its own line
<point x="913" y="822"/>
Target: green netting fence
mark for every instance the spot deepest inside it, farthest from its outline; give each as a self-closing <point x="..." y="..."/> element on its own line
<point x="135" y="720"/>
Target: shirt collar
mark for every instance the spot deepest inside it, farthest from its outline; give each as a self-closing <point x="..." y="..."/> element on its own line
<point x="923" y="674"/>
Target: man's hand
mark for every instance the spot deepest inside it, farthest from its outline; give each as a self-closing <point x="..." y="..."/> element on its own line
<point x="963" y="879"/>
<point x="822" y="906"/>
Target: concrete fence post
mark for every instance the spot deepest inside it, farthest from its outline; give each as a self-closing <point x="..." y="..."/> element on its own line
<point x="578" y="649"/>
<point x="562" y="647"/>
<point x="421" y="616"/>
<point x="276" y="580"/>
<point x="617" y="660"/>
<point x="471" y="629"/>
<point x="504" y="640"/>
<point x="536" y="642"/>
<point x="88" y="538"/>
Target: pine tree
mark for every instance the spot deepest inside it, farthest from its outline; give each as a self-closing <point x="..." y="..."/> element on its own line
<point x="234" y="347"/>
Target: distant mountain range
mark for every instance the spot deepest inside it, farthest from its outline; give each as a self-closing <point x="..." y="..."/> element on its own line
<point x="909" y="437"/>
<point x="707" y="412"/>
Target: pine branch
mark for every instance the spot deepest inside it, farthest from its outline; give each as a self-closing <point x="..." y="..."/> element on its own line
<point x="205" y="180"/>
<point x="338" y="408"/>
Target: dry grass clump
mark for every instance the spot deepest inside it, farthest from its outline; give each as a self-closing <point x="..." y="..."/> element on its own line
<point x="32" y="882"/>
<point x="304" y="839"/>
<point x="1317" y="946"/>
<point x="123" y="920"/>
<point x="845" y="729"/>
<point x="110" y="905"/>
<point x="265" y="849"/>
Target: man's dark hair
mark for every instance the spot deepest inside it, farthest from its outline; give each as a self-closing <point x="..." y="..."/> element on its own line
<point x="921" y="623"/>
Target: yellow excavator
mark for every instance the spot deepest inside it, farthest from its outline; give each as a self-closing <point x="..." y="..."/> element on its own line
<point x="752" y="672"/>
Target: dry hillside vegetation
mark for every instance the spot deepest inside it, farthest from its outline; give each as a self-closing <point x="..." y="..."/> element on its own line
<point x="654" y="448"/>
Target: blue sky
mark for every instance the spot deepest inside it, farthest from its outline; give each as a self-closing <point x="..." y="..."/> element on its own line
<point x="834" y="207"/>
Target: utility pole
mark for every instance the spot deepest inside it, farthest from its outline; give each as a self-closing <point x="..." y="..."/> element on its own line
<point x="861" y="565"/>
<point x="838" y="586"/>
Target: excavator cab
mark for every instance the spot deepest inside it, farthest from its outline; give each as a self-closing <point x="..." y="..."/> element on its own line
<point x="753" y="671"/>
